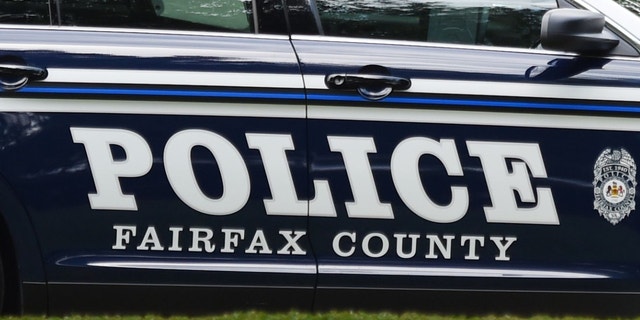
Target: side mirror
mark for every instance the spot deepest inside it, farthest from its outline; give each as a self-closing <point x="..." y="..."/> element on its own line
<point x="575" y="30"/>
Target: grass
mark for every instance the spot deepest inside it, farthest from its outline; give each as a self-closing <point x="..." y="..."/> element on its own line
<point x="253" y="315"/>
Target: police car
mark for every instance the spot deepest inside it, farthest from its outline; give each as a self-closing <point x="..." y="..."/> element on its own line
<point x="197" y="156"/>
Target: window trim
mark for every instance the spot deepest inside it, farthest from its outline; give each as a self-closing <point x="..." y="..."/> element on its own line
<point x="616" y="27"/>
<point x="321" y="38"/>
<point x="168" y="32"/>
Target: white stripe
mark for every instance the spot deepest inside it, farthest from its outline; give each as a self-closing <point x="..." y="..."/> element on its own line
<point x="152" y="107"/>
<point x="454" y="272"/>
<point x="320" y="39"/>
<point x="519" y="119"/>
<point x="211" y="266"/>
<point x="120" y="50"/>
<point x="345" y="269"/>
<point x="507" y="89"/>
<point x="183" y="78"/>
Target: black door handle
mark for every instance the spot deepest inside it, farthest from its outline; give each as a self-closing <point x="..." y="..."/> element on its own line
<point x="369" y="86"/>
<point x="20" y="75"/>
<point x="354" y="81"/>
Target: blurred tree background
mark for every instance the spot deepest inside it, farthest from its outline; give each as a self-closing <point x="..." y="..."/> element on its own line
<point x="633" y="5"/>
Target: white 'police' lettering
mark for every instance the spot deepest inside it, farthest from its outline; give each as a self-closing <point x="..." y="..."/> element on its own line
<point x="366" y="202"/>
<point x="236" y="185"/>
<point x="406" y="178"/>
<point x="284" y="201"/>
<point x="503" y="183"/>
<point x="106" y="171"/>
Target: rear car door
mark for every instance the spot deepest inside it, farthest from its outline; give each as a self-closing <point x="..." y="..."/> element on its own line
<point x="159" y="149"/>
<point x="451" y="154"/>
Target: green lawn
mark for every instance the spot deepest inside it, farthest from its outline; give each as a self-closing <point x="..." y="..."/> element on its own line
<point x="303" y="316"/>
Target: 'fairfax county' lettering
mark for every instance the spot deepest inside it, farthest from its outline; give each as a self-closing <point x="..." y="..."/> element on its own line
<point x="433" y="246"/>
<point x="206" y="240"/>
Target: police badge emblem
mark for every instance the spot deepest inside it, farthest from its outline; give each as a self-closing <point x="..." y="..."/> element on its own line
<point x="614" y="185"/>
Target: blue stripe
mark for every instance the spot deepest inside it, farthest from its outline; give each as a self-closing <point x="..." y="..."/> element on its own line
<point x="480" y="103"/>
<point x="166" y="93"/>
<point x="334" y="98"/>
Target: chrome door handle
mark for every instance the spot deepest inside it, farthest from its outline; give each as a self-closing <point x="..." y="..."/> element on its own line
<point x="21" y="75"/>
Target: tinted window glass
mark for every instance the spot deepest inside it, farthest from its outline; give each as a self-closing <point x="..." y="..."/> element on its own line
<point x="205" y="15"/>
<point x="514" y="23"/>
<point x="24" y="12"/>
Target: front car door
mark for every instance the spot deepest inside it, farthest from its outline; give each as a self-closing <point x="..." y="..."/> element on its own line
<point x="159" y="151"/>
<point x="451" y="154"/>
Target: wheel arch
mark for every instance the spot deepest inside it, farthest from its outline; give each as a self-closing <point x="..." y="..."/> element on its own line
<point x="21" y="255"/>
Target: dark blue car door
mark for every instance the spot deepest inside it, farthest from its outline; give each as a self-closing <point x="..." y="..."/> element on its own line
<point x="450" y="153"/>
<point x="159" y="150"/>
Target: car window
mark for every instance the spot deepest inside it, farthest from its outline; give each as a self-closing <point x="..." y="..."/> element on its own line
<point x="205" y="15"/>
<point x="511" y="23"/>
<point x="24" y="12"/>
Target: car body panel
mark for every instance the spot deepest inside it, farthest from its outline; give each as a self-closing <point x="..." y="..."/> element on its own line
<point x="226" y="171"/>
<point x="565" y="109"/>
<point x="135" y="96"/>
